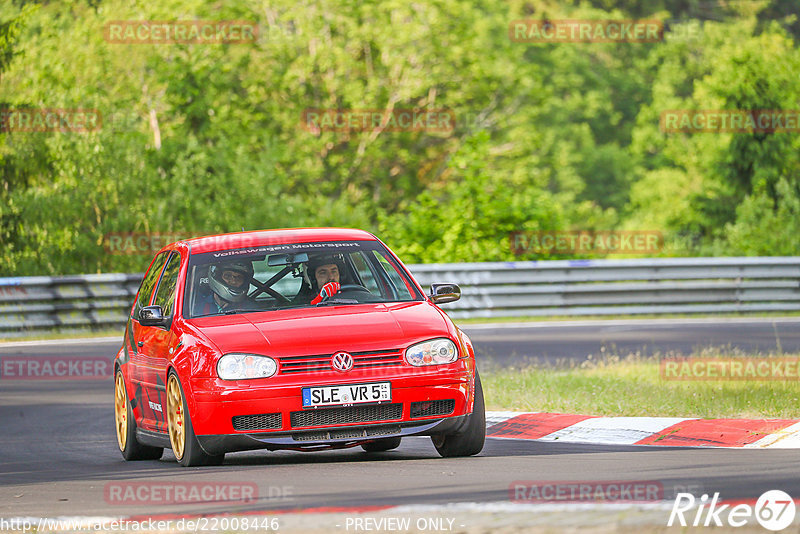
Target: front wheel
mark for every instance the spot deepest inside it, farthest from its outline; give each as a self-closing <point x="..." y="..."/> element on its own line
<point x="126" y="426"/>
<point x="470" y="440"/>
<point x="181" y="435"/>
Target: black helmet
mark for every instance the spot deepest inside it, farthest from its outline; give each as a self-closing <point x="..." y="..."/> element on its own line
<point x="318" y="261"/>
<point x="326" y="259"/>
<point x="221" y="288"/>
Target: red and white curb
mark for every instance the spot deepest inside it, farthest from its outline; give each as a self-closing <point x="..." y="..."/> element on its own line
<point x="660" y="431"/>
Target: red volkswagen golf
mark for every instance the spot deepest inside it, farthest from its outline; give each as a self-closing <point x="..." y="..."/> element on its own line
<point x="302" y="339"/>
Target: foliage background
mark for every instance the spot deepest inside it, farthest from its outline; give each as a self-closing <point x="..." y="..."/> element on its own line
<point x="548" y="136"/>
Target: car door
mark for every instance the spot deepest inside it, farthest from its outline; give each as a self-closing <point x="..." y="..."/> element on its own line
<point x="139" y="334"/>
<point x="155" y="350"/>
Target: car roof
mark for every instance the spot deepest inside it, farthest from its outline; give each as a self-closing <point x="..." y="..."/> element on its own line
<point x="199" y="245"/>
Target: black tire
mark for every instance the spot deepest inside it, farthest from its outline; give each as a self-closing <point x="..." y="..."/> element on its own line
<point x="470" y="440"/>
<point x="382" y="445"/>
<point x="132" y="450"/>
<point x="193" y="455"/>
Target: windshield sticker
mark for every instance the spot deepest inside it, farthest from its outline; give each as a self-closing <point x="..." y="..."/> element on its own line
<point x="285" y="248"/>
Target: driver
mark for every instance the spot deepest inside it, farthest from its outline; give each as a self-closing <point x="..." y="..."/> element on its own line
<point x="325" y="272"/>
<point x="229" y="283"/>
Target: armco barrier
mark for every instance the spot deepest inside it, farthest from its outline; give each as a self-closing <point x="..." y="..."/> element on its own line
<point x="503" y="289"/>
<point x="613" y="287"/>
<point x="65" y="303"/>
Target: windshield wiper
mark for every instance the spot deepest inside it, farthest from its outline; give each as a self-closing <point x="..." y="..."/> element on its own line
<point x="237" y="310"/>
<point x="337" y="301"/>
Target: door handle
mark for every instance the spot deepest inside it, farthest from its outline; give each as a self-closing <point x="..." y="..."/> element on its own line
<point x="141" y="343"/>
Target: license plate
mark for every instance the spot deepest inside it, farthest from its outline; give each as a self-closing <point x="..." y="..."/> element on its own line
<point x="347" y="394"/>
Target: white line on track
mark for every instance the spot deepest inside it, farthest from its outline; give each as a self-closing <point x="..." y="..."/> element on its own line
<point x="612" y="430"/>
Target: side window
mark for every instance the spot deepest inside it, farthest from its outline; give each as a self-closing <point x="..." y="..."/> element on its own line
<point x="165" y="294"/>
<point x="403" y="292"/>
<point x="149" y="283"/>
<point x="365" y="273"/>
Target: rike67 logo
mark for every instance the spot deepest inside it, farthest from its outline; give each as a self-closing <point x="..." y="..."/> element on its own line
<point x="774" y="510"/>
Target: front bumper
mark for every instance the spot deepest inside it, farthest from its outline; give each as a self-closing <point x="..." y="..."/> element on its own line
<point x="422" y="403"/>
<point x="333" y="438"/>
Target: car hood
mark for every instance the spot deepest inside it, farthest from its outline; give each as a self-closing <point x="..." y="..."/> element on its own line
<point x="326" y="330"/>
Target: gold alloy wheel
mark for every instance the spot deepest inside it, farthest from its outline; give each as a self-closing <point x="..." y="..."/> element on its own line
<point x="121" y="411"/>
<point x="177" y="434"/>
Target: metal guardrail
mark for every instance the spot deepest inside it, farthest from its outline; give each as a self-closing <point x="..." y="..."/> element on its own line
<point x="65" y="303"/>
<point x="617" y="287"/>
<point x="503" y="289"/>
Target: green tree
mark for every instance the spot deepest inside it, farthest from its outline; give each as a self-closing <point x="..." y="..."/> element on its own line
<point x="473" y="216"/>
<point x="730" y="67"/>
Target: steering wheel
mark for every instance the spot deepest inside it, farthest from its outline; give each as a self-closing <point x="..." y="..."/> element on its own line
<point x="348" y="287"/>
<point x="353" y="287"/>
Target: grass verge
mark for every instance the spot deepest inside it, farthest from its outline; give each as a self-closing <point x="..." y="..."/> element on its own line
<point x="633" y="386"/>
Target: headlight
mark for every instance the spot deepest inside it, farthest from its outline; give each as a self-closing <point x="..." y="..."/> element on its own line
<point x="433" y="352"/>
<point x="244" y="366"/>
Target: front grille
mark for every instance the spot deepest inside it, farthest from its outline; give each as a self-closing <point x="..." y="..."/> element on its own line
<point x="321" y="363"/>
<point x="351" y="414"/>
<point x="264" y="421"/>
<point x="437" y="407"/>
<point x="348" y="433"/>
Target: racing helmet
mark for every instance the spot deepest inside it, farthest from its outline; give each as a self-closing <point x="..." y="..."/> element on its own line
<point x="219" y="286"/>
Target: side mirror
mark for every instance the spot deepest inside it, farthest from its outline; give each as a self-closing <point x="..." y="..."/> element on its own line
<point x="152" y="316"/>
<point x="442" y="293"/>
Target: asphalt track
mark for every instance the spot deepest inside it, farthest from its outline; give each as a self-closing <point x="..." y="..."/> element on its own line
<point x="557" y="342"/>
<point x="58" y="454"/>
<point x="576" y="340"/>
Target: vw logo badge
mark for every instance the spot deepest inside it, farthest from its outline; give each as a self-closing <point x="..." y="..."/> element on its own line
<point x="342" y="362"/>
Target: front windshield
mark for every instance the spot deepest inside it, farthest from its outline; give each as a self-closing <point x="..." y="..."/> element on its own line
<point x="293" y="276"/>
